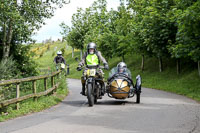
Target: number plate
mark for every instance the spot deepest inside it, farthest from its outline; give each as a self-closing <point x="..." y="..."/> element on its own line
<point x="91" y="72"/>
<point x="62" y="65"/>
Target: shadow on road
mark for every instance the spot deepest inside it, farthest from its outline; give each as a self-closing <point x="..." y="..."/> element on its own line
<point x="114" y="102"/>
<point x="76" y="103"/>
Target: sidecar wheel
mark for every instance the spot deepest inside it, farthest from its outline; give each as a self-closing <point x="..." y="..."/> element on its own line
<point x="90" y="95"/>
<point x="138" y="98"/>
<point x="95" y="100"/>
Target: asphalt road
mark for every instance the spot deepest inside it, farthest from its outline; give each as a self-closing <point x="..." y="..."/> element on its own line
<point x="158" y="112"/>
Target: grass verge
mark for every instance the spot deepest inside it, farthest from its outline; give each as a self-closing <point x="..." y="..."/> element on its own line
<point x="29" y="106"/>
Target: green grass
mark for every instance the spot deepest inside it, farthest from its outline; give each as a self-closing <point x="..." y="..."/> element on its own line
<point x="46" y="61"/>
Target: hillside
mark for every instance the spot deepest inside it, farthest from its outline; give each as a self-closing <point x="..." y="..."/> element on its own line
<point x="186" y="83"/>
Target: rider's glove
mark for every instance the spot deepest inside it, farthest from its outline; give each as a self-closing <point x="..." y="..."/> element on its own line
<point x="78" y="68"/>
<point x="106" y="66"/>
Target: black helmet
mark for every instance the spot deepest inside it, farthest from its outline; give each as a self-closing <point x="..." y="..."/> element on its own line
<point x="121" y="67"/>
<point x="91" y="45"/>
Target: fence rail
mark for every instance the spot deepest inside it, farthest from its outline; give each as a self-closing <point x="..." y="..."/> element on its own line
<point x="34" y="95"/>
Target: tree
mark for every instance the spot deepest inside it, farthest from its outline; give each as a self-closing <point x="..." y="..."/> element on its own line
<point x="137" y="44"/>
<point x="20" y="19"/>
<point x="122" y="30"/>
<point x="87" y="25"/>
<point x="188" y="35"/>
<point x="157" y="31"/>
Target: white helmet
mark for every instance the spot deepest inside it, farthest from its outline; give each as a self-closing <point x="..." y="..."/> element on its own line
<point x="59" y="53"/>
<point x="121" y="67"/>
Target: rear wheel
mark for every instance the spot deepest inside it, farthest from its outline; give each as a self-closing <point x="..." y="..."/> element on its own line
<point x="90" y="95"/>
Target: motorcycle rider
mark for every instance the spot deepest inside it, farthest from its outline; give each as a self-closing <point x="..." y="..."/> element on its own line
<point x="59" y="59"/>
<point x="91" y="57"/>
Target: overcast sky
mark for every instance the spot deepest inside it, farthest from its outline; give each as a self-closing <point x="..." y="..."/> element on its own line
<point x="52" y="28"/>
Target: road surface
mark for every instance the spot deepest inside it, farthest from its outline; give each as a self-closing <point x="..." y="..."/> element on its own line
<point x="158" y="112"/>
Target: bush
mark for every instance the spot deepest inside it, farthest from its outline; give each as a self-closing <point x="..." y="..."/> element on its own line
<point x="63" y="51"/>
<point x="8" y="69"/>
<point x="24" y="63"/>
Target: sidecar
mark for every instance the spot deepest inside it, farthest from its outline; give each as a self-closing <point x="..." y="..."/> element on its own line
<point x="121" y="86"/>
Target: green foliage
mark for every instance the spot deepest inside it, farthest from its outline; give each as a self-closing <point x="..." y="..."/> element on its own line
<point x="188" y="35"/>
<point x="63" y="50"/>
<point x="156" y="31"/>
<point x="27" y="15"/>
<point x="24" y="62"/>
<point x="8" y="69"/>
<point x="151" y="28"/>
<point x="18" y="21"/>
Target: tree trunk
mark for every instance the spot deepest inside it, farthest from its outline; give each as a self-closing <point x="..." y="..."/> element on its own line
<point x="72" y="52"/>
<point x="7" y="40"/>
<point x="123" y="59"/>
<point x="199" y="67"/>
<point x="6" y="51"/>
<point x="142" y="65"/>
<point x="160" y="64"/>
<point x="178" y="66"/>
<point x="4" y="41"/>
<point x="81" y="54"/>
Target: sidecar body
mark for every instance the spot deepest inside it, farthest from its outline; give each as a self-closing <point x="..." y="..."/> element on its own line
<point x="121" y="86"/>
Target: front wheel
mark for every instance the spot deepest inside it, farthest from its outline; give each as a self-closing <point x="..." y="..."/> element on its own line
<point x="90" y="95"/>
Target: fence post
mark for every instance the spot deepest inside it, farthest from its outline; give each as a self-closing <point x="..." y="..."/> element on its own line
<point x="52" y="81"/>
<point x="45" y="84"/>
<point x="67" y="69"/>
<point x="17" y="95"/>
<point x="34" y="90"/>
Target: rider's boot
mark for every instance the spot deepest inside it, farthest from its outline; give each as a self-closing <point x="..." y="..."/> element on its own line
<point x="83" y="85"/>
<point x="102" y="89"/>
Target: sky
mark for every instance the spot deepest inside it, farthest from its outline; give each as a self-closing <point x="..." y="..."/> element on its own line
<point x="52" y="29"/>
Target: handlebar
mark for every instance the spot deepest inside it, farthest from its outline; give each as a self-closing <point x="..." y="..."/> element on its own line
<point x="90" y="67"/>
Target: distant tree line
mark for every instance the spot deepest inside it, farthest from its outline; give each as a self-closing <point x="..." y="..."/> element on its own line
<point x="156" y="28"/>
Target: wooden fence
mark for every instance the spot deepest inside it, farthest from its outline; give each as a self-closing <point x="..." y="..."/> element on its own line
<point x="34" y="95"/>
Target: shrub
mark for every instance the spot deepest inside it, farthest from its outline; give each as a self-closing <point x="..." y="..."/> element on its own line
<point x="24" y="63"/>
<point x="8" y="69"/>
<point x="63" y="51"/>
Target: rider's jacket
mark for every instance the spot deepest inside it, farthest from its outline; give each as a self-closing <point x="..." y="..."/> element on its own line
<point x="59" y="59"/>
<point x="92" y="59"/>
